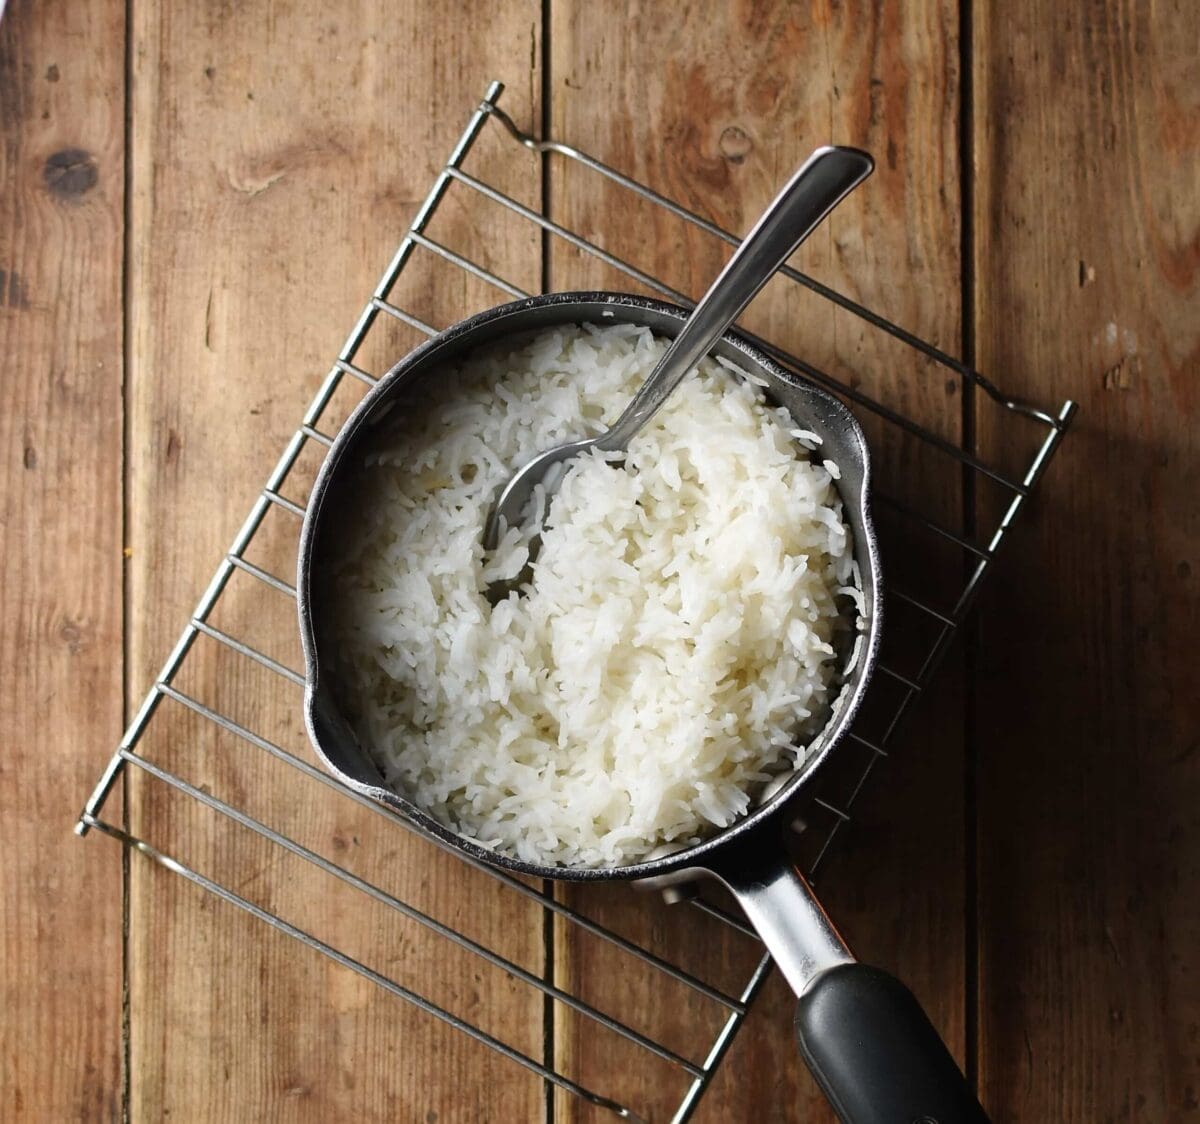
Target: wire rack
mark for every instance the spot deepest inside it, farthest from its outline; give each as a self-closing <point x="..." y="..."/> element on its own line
<point x="905" y="674"/>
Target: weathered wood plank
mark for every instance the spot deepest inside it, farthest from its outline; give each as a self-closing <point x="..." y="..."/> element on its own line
<point x="1088" y="157"/>
<point x="715" y="107"/>
<point x="278" y="153"/>
<point x="62" y="106"/>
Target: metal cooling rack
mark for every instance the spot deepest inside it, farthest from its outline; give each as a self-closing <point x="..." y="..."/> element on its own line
<point x="907" y="678"/>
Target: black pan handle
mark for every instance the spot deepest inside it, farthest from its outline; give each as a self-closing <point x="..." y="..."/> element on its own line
<point x="866" y="1039"/>
<point x="876" y="1055"/>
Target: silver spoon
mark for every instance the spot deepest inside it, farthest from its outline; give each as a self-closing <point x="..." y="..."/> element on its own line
<point x="823" y="181"/>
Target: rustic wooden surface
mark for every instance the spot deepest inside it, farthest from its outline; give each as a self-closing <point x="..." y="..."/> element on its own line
<point x="1088" y="242"/>
<point x="252" y="248"/>
<point x="1029" y="868"/>
<point x="62" y="110"/>
<point x="719" y="128"/>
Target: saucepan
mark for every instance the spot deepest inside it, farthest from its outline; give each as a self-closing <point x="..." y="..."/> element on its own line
<point x="863" y="1034"/>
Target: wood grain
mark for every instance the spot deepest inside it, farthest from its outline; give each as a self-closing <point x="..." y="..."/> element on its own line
<point x="714" y="108"/>
<point x="62" y="167"/>
<point x="278" y="153"/>
<point x="1088" y="157"/>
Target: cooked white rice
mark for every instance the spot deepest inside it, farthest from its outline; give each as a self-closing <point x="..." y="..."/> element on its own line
<point x="675" y="648"/>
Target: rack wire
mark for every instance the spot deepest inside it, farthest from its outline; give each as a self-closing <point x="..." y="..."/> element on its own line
<point x="904" y="676"/>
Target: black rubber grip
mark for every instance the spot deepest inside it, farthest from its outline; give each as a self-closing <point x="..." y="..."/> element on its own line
<point x="876" y="1055"/>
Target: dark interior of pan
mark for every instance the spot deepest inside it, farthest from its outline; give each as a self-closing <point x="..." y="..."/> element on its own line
<point x="414" y="379"/>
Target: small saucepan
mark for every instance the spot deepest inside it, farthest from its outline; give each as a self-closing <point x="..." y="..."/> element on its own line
<point x="866" y="1039"/>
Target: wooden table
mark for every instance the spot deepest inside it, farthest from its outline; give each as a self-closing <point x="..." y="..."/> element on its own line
<point x="195" y="200"/>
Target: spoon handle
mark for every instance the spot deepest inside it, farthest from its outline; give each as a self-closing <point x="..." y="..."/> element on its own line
<point x="822" y="182"/>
